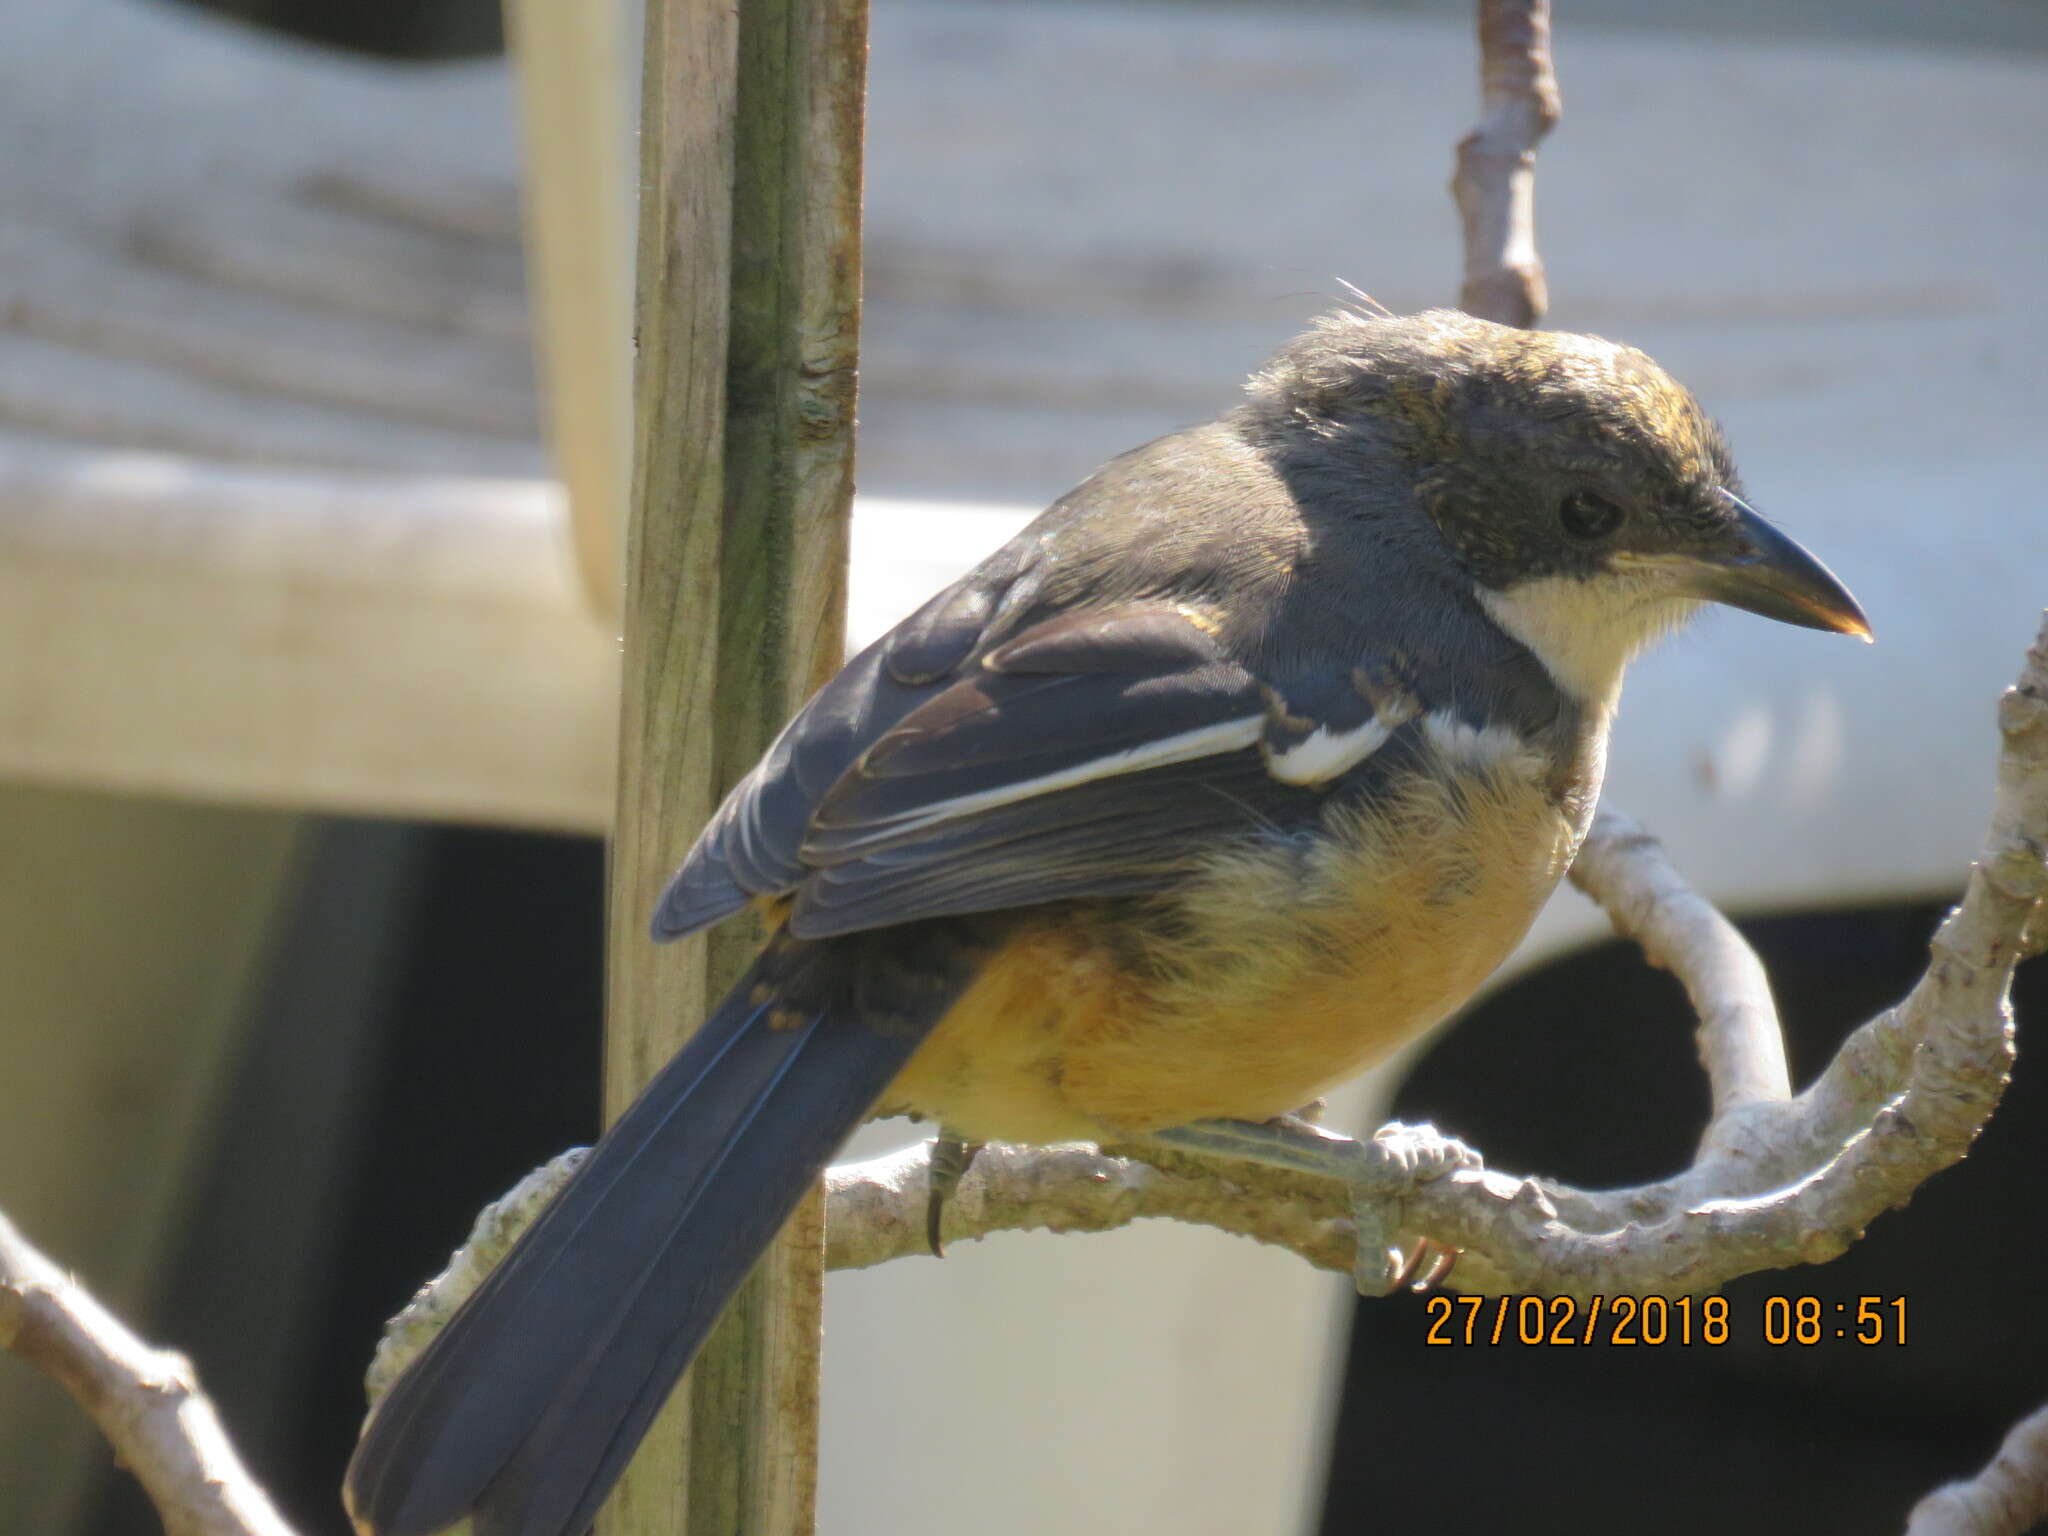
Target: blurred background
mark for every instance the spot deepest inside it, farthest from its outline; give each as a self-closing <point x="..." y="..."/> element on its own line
<point x="312" y="334"/>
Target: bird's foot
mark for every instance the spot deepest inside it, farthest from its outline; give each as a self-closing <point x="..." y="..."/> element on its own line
<point x="1376" y="1172"/>
<point x="952" y="1156"/>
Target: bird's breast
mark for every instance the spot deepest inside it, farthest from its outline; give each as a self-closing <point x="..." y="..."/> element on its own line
<point x="1287" y="963"/>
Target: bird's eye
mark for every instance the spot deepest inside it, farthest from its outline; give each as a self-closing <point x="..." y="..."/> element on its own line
<point x="1587" y="515"/>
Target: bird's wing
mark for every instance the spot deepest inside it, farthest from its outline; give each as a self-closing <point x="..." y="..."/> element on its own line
<point x="1091" y="753"/>
<point x="752" y="844"/>
<point x="1067" y="762"/>
<point x="1097" y="755"/>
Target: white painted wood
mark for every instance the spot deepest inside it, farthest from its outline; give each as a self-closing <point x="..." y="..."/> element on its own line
<point x="576" y="75"/>
<point x="391" y="647"/>
<point x="219" y="244"/>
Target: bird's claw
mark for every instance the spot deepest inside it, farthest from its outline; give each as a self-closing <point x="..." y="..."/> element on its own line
<point x="1393" y="1162"/>
<point x="1376" y="1172"/>
<point x="1400" y="1156"/>
<point x="1422" y="1267"/>
<point x="951" y="1156"/>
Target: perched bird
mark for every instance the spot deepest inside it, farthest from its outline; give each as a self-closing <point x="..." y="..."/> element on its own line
<point x="1242" y="765"/>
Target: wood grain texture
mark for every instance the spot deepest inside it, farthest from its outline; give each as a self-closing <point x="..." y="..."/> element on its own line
<point x="667" y="695"/>
<point x="748" y="324"/>
<point x="788" y="491"/>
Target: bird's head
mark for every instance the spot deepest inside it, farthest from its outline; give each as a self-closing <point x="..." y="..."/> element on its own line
<point x="1585" y="493"/>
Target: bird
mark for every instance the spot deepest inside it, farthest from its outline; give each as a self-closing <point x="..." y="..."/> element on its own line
<point x="1241" y="766"/>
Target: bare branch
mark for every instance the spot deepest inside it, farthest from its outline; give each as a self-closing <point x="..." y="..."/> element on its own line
<point x="1495" y="184"/>
<point x="1904" y="1098"/>
<point x="875" y="1210"/>
<point x="145" y="1401"/>
<point x="1779" y="1180"/>
<point x="1624" y="869"/>
<point x="492" y="1234"/>
<point x="2008" y="1497"/>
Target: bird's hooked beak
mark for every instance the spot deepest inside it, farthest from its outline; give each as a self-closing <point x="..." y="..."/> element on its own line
<point x="1766" y="573"/>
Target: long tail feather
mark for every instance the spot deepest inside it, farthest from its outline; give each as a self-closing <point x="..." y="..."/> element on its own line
<point x="526" y="1408"/>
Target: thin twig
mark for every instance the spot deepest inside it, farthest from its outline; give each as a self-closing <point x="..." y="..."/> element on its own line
<point x="145" y="1401"/>
<point x="1495" y="184"/>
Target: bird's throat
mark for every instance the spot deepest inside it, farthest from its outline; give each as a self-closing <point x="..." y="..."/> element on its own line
<point x="1585" y="632"/>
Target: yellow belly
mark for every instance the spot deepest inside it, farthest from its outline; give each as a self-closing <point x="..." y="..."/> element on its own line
<point x="1280" y="970"/>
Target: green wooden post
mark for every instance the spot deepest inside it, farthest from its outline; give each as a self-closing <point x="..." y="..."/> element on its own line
<point x="748" y="321"/>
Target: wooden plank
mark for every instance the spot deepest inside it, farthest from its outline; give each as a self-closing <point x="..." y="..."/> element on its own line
<point x="370" y="645"/>
<point x="789" y="453"/>
<point x="735" y="604"/>
<point x="666" y="768"/>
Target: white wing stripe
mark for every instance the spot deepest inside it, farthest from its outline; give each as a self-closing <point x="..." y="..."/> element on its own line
<point x="1204" y="741"/>
<point x="1324" y="754"/>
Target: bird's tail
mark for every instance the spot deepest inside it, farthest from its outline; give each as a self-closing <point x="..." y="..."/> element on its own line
<point x="525" y="1409"/>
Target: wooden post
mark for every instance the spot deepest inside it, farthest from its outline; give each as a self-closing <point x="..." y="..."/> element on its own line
<point x="747" y="319"/>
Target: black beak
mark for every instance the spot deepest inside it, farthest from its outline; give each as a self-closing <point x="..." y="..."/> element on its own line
<point x="1772" y="575"/>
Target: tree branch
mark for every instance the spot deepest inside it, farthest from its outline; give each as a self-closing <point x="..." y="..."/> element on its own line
<point x="1779" y="1180"/>
<point x="1495" y="183"/>
<point x="2007" y="1498"/>
<point x="1797" y="1182"/>
<point x="1624" y="869"/>
<point x="145" y="1401"/>
<point x="875" y="1210"/>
